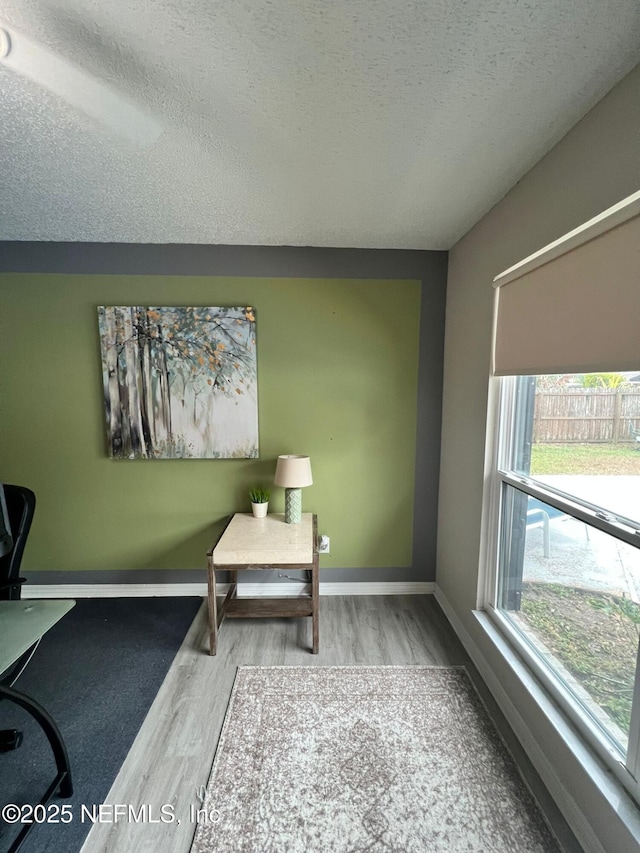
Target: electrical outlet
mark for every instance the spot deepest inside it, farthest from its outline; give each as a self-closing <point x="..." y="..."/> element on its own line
<point x="324" y="545"/>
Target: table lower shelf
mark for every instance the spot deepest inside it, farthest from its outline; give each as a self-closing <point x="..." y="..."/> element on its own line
<point x="264" y="607"/>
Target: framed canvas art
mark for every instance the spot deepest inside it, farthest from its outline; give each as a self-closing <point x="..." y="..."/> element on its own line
<point x="179" y="383"/>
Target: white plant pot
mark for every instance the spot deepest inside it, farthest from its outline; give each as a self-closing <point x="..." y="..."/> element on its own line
<point x="260" y="510"/>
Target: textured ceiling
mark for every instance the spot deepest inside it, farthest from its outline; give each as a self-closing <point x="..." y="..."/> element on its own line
<point x="369" y="123"/>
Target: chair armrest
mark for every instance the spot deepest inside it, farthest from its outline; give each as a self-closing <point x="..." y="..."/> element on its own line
<point x="14" y="582"/>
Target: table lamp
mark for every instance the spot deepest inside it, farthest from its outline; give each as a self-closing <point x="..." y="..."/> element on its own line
<point x="293" y="472"/>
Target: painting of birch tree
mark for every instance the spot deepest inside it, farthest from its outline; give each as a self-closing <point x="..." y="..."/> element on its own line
<point x="179" y="382"/>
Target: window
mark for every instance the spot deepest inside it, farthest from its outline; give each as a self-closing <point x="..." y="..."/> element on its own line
<point x="564" y="518"/>
<point x="567" y="572"/>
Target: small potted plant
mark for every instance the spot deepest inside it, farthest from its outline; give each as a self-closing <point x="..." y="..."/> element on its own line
<point x="259" y="501"/>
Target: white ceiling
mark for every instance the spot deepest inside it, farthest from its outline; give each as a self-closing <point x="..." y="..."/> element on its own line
<point x="368" y="123"/>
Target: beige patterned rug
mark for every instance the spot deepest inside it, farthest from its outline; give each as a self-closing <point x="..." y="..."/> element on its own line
<point x="377" y="759"/>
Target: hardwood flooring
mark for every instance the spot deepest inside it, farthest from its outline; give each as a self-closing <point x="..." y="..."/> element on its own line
<point x="171" y="759"/>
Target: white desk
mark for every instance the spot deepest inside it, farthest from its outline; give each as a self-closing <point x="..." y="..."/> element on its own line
<point x="24" y="621"/>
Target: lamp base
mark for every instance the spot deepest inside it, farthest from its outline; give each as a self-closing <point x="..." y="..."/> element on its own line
<point x="293" y="506"/>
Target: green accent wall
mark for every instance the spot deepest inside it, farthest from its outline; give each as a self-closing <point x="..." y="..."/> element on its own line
<point x="337" y="379"/>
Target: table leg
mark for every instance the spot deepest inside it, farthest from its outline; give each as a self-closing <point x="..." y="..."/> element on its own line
<point x="212" y="607"/>
<point x="315" y="602"/>
<point x="232" y="592"/>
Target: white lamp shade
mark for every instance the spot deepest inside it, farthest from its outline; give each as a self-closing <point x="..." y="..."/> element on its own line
<point x="293" y="472"/>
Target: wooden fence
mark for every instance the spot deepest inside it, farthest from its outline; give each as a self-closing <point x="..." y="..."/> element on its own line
<point x="586" y="415"/>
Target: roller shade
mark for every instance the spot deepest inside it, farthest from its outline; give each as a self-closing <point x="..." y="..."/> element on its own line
<point x="574" y="306"/>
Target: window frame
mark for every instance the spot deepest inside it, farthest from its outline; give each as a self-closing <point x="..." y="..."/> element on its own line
<point x="501" y="432"/>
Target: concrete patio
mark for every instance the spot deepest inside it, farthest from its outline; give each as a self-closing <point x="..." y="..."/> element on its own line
<point x="585" y="557"/>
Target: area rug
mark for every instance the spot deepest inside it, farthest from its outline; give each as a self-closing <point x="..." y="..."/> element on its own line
<point x="316" y="759"/>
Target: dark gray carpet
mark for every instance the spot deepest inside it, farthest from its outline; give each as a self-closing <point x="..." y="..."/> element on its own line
<point x="97" y="673"/>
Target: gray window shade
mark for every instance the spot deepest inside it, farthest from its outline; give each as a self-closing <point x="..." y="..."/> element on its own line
<point x="574" y="306"/>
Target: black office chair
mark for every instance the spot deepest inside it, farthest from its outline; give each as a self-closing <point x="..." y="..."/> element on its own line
<point x="20" y="506"/>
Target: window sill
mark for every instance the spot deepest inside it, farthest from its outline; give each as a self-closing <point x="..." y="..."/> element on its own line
<point x="590" y="813"/>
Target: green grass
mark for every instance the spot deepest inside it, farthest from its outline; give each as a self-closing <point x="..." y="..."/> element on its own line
<point x="594" y="636"/>
<point x="585" y="459"/>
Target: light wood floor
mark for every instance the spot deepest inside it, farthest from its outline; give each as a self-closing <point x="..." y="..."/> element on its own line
<point x="171" y="758"/>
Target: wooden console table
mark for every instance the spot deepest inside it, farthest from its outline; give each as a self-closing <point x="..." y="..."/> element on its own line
<point x="264" y="543"/>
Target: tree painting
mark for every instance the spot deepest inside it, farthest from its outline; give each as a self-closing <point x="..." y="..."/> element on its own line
<point x="179" y="382"/>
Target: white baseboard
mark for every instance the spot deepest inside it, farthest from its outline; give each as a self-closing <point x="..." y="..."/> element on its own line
<point x="152" y="590"/>
<point x="573" y="814"/>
